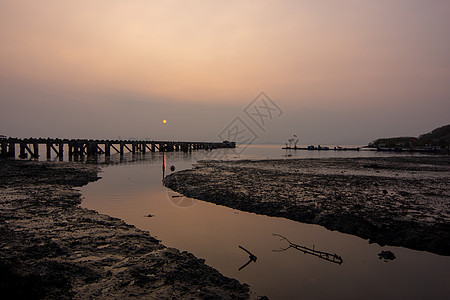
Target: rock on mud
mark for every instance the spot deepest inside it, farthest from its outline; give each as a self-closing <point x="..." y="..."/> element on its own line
<point x="386" y="255"/>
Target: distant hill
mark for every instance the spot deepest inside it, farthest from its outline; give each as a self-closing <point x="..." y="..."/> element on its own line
<point x="438" y="137"/>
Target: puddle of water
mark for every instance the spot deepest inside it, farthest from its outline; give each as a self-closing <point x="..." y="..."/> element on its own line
<point x="133" y="191"/>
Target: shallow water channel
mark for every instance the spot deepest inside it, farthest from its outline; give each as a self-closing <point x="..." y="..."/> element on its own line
<point x="132" y="191"/>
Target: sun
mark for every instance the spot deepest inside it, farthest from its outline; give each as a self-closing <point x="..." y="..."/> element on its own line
<point x="164" y="121"/>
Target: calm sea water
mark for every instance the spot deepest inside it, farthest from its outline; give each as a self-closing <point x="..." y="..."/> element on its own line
<point x="131" y="191"/>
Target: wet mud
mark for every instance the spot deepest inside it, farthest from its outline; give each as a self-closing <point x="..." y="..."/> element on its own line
<point x="51" y="248"/>
<point x="398" y="201"/>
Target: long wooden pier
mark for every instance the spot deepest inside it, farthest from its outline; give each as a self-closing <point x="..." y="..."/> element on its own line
<point x="29" y="147"/>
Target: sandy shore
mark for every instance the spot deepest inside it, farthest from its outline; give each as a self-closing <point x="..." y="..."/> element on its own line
<point x="52" y="248"/>
<point x="399" y="201"/>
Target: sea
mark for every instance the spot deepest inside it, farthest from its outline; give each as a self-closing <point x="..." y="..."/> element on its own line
<point x="131" y="188"/>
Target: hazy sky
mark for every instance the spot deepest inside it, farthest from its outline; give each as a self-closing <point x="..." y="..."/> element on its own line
<point x="344" y="71"/>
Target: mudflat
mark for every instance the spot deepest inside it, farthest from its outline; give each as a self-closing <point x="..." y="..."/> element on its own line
<point x="51" y="248"/>
<point x="398" y="201"/>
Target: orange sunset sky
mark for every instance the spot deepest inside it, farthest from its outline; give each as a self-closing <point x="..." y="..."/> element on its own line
<point x="342" y="72"/>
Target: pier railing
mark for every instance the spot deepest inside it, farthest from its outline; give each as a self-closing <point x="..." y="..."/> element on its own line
<point x="29" y="147"/>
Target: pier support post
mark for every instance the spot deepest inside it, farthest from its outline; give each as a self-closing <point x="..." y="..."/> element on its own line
<point x="107" y="149"/>
<point x="61" y="150"/>
<point x="48" y="149"/>
<point x="70" y="145"/>
<point x="4" y="150"/>
<point x="75" y="149"/>
<point x="22" y="153"/>
<point x="79" y="149"/>
<point x="35" y="149"/>
<point x="12" y="149"/>
<point x="92" y="148"/>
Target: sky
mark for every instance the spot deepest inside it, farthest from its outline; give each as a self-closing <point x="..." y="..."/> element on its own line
<point x="338" y="72"/>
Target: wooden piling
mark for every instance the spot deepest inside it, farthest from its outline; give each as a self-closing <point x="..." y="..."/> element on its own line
<point x="48" y="150"/>
<point x="70" y="150"/>
<point x="22" y="153"/>
<point x="107" y="149"/>
<point x="61" y="150"/>
<point x="35" y="150"/>
<point x="121" y="148"/>
<point x="4" y="150"/>
<point x="12" y="149"/>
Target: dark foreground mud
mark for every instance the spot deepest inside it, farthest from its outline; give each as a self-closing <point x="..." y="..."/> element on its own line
<point x="52" y="248"/>
<point x="398" y="201"/>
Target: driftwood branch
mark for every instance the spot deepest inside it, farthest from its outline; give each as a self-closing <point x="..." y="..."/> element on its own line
<point x="334" y="258"/>
<point x="252" y="258"/>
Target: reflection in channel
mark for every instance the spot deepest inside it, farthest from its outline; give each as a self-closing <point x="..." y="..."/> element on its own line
<point x="334" y="258"/>
<point x="251" y="258"/>
<point x="164" y="167"/>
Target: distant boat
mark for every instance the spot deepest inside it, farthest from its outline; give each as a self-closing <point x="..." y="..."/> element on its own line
<point x="338" y="148"/>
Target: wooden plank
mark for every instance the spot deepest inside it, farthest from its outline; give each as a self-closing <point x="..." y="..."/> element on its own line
<point x="29" y="150"/>
<point x="100" y="150"/>
<point x="54" y="149"/>
<point x="112" y="146"/>
<point x="125" y="145"/>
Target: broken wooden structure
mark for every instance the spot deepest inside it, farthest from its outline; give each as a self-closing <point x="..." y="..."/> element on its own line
<point x="82" y="147"/>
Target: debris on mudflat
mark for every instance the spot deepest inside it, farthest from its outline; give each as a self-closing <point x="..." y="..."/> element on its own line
<point x="252" y="258"/>
<point x="386" y="255"/>
<point x="334" y="258"/>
